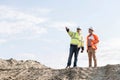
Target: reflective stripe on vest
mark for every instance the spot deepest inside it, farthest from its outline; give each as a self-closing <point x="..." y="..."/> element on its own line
<point x="74" y="37"/>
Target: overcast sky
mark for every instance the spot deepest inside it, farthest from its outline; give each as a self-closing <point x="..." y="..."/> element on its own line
<point x="34" y="29"/>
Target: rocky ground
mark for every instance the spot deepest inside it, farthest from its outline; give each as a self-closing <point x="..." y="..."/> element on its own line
<point x="32" y="70"/>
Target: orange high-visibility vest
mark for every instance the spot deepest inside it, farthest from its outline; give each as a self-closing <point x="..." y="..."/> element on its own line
<point x="94" y="41"/>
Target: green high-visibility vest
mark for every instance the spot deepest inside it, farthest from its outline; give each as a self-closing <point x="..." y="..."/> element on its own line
<point x="76" y="39"/>
<point x="81" y="41"/>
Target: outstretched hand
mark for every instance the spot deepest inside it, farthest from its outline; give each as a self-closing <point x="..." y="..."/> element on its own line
<point x="67" y="29"/>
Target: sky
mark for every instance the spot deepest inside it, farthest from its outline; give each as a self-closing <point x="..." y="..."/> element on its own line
<point x="35" y="30"/>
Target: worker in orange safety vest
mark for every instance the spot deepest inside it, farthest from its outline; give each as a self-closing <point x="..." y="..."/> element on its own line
<point x="92" y="40"/>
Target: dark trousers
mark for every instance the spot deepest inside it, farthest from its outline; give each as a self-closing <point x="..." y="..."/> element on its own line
<point x="73" y="50"/>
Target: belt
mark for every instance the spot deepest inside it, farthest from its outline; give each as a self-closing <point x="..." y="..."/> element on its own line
<point x="89" y="46"/>
<point x="73" y="45"/>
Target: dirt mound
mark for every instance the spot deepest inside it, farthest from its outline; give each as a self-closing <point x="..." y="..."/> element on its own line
<point x="32" y="70"/>
<point x="14" y="64"/>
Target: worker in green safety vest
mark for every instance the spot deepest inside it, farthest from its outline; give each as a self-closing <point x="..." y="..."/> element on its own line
<point x="76" y="44"/>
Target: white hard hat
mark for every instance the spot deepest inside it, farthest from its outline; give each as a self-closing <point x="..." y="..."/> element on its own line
<point x="91" y="28"/>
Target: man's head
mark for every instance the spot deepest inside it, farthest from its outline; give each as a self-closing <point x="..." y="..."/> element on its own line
<point x="90" y="30"/>
<point x="78" y="30"/>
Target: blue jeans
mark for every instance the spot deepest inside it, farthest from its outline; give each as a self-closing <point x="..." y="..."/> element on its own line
<point x="73" y="50"/>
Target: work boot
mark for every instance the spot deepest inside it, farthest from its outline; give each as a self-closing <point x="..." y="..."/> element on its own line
<point x="95" y="65"/>
<point x="67" y="67"/>
<point x="74" y="66"/>
<point x="90" y="66"/>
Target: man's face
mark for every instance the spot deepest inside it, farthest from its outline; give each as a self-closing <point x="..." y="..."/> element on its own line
<point x="78" y="31"/>
<point x="90" y="31"/>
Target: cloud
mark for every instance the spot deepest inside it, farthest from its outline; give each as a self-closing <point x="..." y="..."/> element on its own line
<point x="61" y="25"/>
<point x="13" y="21"/>
<point x="26" y="56"/>
<point x="109" y="52"/>
<point x="54" y="60"/>
<point x="11" y="13"/>
<point x="41" y="11"/>
<point x="111" y="44"/>
<point x="3" y="41"/>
